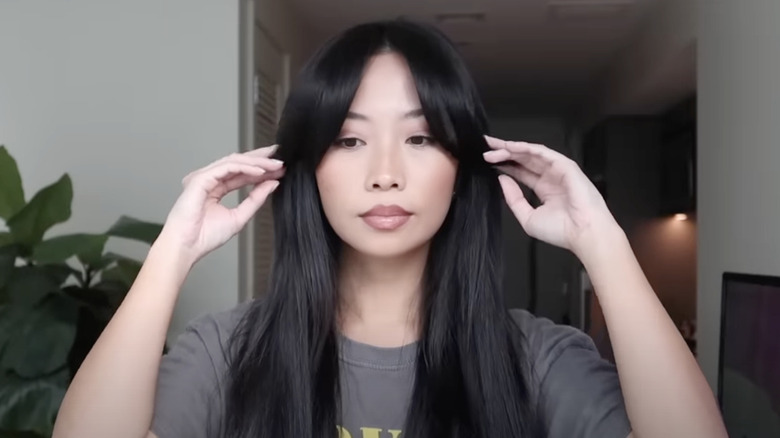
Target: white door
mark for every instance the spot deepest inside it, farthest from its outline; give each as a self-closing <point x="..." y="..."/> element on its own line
<point x="271" y="81"/>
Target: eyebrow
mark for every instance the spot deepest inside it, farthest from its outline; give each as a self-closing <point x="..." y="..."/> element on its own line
<point x="413" y="114"/>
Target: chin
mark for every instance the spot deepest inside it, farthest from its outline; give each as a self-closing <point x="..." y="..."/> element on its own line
<point x="385" y="245"/>
<point x="376" y="251"/>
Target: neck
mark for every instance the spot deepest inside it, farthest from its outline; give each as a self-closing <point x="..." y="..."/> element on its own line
<point x="380" y="297"/>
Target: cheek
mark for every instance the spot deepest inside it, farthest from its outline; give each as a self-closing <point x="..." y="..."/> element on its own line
<point x="327" y="180"/>
<point x="439" y="183"/>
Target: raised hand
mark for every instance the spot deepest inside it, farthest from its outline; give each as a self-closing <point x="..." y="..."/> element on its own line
<point x="572" y="213"/>
<point x="198" y="223"/>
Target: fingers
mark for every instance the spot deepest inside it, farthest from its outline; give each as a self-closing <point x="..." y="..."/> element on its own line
<point x="530" y="160"/>
<point x="247" y="158"/>
<point x="515" y="146"/>
<point x="497" y="155"/>
<point x="535" y="157"/>
<point x="242" y="180"/>
<point x="506" y="164"/>
<point x="256" y="198"/>
<point x="263" y="152"/>
<point x="515" y="199"/>
<point x="256" y="160"/>
<point x="520" y="173"/>
<point x="213" y="180"/>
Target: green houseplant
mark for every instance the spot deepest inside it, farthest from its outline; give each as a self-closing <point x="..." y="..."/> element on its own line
<point x="56" y="296"/>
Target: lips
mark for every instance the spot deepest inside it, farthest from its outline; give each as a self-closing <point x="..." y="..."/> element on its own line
<point x="386" y="211"/>
<point x="386" y="217"/>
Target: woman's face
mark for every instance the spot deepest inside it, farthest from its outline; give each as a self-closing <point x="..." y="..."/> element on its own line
<point x="385" y="184"/>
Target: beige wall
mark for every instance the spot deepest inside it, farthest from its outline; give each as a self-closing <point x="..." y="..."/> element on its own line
<point x="739" y="153"/>
<point x="666" y="250"/>
<point x="127" y="97"/>
<point x="655" y="70"/>
<point x="282" y="22"/>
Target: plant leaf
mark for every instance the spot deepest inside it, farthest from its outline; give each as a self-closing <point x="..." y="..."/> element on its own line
<point x="6" y="238"/>
<point x="125" y="271"/>
<point x="88" y="247"/>
<point x="31" y="405"/>
<point x="18" y="434"/>
<point x="88" y="297"/>
<point x="40" y="343"/>
<point x="8" y="255"/>
<point x="59" y="272"/>
<point x="10" y="318"/>
<point x="131" y="228"/>
<point x="50" y="206"/>
<point x="28" y="285"/>
<point x="113" y="291"/>
<point x="105" y="261"/>
<point x="11" y="191"/>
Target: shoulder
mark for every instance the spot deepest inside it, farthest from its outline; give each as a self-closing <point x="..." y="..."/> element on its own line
<point x="200" y="351"/>
<point x="546" y="341"/>
<point x="578" y="391"/>
<point x="191" y="376"/>
<point x="216" y="327"/>
<point x="540" y="328"/>
<point x="208" y="336"/>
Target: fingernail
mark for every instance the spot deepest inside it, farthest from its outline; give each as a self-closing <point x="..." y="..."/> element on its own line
<point x="275" y="161"/>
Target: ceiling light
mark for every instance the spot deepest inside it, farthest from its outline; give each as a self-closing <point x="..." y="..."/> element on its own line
<point x="460" y="17"/>
<point x="590" y="3"/>
<point x="588" y="9"/>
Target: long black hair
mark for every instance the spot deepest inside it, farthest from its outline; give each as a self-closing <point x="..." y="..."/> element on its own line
<point x="471" y="372"/>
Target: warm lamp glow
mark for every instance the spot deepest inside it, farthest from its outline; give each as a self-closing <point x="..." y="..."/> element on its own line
<point x="681" y="217"/>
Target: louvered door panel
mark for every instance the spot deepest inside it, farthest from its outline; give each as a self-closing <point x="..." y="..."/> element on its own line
<point x="266" y="109"/>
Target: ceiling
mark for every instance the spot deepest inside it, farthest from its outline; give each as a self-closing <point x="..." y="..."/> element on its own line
<point x="534" y="56"/>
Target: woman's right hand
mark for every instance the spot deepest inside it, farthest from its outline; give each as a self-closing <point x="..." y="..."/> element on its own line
<point x="198" y="223"/>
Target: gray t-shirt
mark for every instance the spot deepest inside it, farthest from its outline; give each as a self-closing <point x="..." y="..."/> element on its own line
<point x="580" y="390"/>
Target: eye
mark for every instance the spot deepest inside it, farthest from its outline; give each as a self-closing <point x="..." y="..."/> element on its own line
<point x="348" y="142"/>
<point x="421" y="140"/>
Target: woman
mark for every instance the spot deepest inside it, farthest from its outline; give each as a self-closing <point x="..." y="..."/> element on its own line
<point x="384" y="316"/>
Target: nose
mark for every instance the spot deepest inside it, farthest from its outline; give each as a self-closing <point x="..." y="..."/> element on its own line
<point x="386" y="169"/>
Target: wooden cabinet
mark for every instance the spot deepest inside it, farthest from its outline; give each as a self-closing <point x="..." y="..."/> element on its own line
<point x="645" y="165"/>
<point x="678" y="160"/>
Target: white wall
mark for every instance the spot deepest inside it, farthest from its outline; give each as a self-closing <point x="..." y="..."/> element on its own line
<point x="127" y="97"/>
<point x="654" y="71"/>
<point x="294" y="36"/>
<point x="666" y="250"/>
<point x="739" y="154"/>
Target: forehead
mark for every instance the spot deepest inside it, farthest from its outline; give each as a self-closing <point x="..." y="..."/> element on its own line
<point x="387" y="85"/>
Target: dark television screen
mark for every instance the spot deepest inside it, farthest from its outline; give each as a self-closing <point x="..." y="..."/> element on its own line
<point x="749" y="368"/>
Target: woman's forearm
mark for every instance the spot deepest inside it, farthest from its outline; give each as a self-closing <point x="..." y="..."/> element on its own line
<point x="113" y="391"/>
<point x="665" y="392"/>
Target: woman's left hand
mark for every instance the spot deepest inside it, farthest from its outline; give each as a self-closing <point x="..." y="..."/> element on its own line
<point x="573" y="214"/>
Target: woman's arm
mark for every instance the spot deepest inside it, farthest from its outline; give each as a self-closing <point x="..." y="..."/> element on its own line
<point x="113" y="391"/>
<point x="666" y="394"/>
